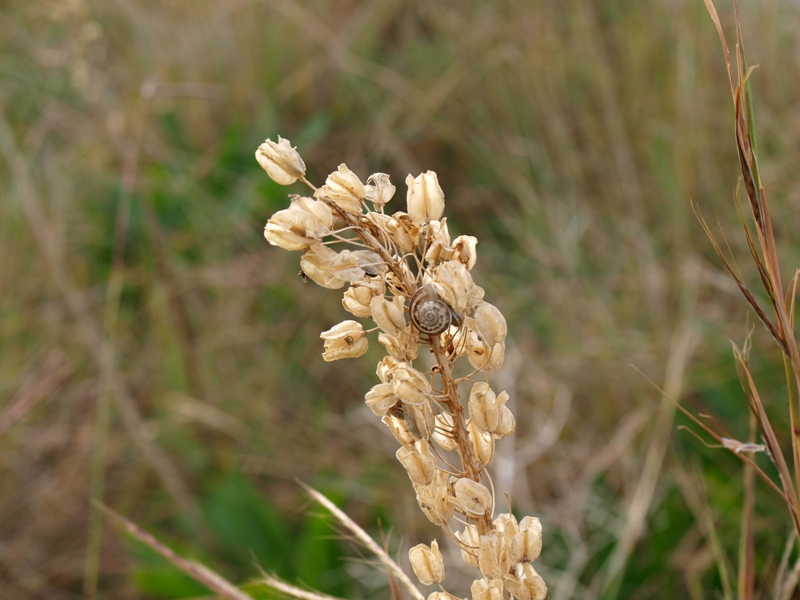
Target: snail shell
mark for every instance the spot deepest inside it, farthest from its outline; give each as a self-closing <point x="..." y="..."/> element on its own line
<point x="429" y="313"/>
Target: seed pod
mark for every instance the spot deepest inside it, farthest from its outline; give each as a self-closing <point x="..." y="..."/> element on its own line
<point x="398" y="429"/>
<point x="380" y="399"/>
<point x="420" y="420"/>
<point x="434" y="499"/>
<point x="281" y="162"/>
<point x="403" y="232"/>
<point x="506" y="523"/>
<point x="388" y="315"/>
<point x="527" y="544"/>
<point x="493" y="557"/>
<point x="490" y="323"/>
<point x="345" y="340"/>
<point x="379" y="189"/>
<point x="386" y="367"/>
<point x="411" y="386"/>
<point x="471" y="497"/>
<point x="402" y="345"/>
<point x="425" y="198"/>
<point x="427" y="563"/>
<point x="464" y="250"/>
<point x="483" y="411"/>
<point x="482" y="444"/>
<point x="344" y="189"/>
<point x="418" y="463"/>
<point x="454" y="284"/>
<point x="358" y="296"/>
<point x="483" y="589"/>
<point x="527" y="584"/>
<point x="469" y="542"/>
<point x="507" y="423"/>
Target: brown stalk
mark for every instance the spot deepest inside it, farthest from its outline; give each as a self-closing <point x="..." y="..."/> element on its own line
<point x="468" y="460"/>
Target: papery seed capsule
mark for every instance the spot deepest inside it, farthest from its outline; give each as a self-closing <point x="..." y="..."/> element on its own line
<point x="429" y="313"/>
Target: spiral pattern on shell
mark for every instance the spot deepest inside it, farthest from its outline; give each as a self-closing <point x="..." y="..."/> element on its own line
<point x="429" y="313"/>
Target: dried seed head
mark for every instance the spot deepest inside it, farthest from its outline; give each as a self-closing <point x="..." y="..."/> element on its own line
<point x="418" y="462"/>
<point x="471" y="498"/>
<point x="507" y="422"/>
<point x="470" y="542"/>
<point x="526" y="584"/>
<point x="490" y="323"/>
<point x="327" y="268"/>
<point x="493" y="557"/>
<point x="379" y="190"/>
<point x="411" y="386"/>
<point x="402" y="345"/>
<point x="464" y="250"/>
<point x="438" y="242"/>
<point x="427" y="563"/>
<point x="506" y="524"/>
<point x="453" y="283"/>
<point x="358" y="296"/>
<point x="380" y="399"/>
<point x="497" y="355"/>
<point x="386" y="367"/>
<point x="420" y="420"/>
<point x="389" y="316"/>
<point x="527" y="544"/>
<point x="483" y="410"/>
<point x="403" y="232"/>
<point x="303" y="223"/>
<point x="398" y="429"/>
<point x="434" y="500"/>
<point x="482" y="444"/>
<point x="483" y="589"/>
<point x="281" y="162"/>
<point x="425" y="198"/>
<point x="345" y="340"/>
<point x="344" y="189"/>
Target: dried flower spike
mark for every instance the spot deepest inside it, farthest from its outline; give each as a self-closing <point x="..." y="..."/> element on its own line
<point x="404" y="260"/>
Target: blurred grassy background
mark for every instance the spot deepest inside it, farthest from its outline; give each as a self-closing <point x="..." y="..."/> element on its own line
<point x="157" y="353"/>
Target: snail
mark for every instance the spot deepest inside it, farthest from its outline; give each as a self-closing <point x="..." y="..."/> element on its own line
<point x="430" y="314"/>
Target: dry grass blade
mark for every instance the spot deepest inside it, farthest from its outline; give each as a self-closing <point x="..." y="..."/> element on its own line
<point x="365" y="539"/>
<point x="715" y="17"/>
<point x="748" y="295"/>
<point x="200" y="573"/>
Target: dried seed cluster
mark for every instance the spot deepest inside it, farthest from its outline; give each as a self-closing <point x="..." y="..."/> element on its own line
<point x="407" y="275"/>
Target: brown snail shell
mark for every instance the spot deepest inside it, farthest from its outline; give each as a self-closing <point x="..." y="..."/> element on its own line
<point x="429" y="313"/>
